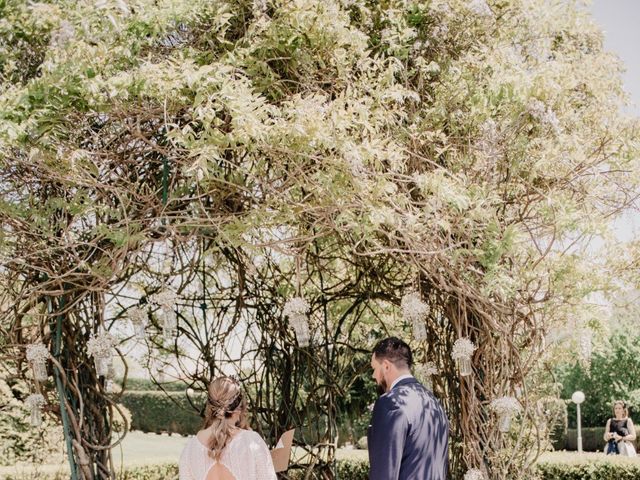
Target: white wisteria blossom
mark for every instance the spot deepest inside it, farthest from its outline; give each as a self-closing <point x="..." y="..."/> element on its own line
<point x="415" y="312"/>
<point x="296" y="306"/>
<point x="100" y="347"/>
<point x="505" y="408"/>
<point x="480" y="8"/>
<point x="110" y="386"/>
<point x="506" y="404"/>
<point x="37" y="352"/>
<point x="296" y="310"/>
<point x="164" y="298"/>
<point x="138" y="317"/>
<point x="424" y="372"/>
<point x="37" y="356"/>
<point x="462" y="351"/>
<point x="35" y="402"/>
<point x="586" y="346"/>
<point x="544" y="114"/>
<point x="474" y="474"/>
<point x="440" y="32"/>
<point x="489" y="140"/>
<point x="462" y="348"/>
<point x="63" y="35"/>
<point x="100" y="343"/>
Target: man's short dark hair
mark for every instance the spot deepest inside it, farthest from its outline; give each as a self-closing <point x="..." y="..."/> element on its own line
<point x="394" y="350"/>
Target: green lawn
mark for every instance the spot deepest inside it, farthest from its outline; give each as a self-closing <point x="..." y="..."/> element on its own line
<point x="137" y="449"/>
<point x="144" y="448"/>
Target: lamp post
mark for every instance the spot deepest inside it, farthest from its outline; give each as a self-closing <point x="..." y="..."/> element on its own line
<point x="578" y="398"/>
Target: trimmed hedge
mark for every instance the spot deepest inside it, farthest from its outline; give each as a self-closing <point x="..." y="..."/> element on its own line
<point x="151" y="472"/>
<point x="358" y="470"/>
<point x="592" y="440"/>
<point x="159" y="412"/>
<point x="347" y="470"/>
<point x="145" y="385"/>
<point x="353" y="469"/>
<point x="589" y="471"/>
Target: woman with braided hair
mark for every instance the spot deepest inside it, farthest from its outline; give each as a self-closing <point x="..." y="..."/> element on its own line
<point x="225" y="449"/>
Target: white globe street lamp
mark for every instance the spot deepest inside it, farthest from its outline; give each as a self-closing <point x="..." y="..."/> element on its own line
<point x="578" y="398"/>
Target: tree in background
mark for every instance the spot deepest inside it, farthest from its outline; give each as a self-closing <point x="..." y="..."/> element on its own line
<point x="305" y="165"/>
<point x="614" y="374"/>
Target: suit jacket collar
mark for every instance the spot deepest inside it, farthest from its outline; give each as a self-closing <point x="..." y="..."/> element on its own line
<point x="405" y="381"/>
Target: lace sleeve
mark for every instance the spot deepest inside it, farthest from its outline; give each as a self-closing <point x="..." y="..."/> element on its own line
<point x="262" y="455"/>
<point x="184" y="466"/>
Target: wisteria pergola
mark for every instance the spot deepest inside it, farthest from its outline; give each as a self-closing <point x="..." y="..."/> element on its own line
<point x="242" y="154"/>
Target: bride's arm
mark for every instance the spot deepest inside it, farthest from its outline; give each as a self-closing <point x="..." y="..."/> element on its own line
<point x="264" y="464"/>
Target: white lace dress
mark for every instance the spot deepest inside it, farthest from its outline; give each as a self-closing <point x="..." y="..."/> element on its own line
<point x="246" y="456"/>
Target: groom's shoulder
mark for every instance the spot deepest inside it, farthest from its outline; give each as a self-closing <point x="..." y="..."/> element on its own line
<point x="396" y="396"/>
<point x="388" y="400"/>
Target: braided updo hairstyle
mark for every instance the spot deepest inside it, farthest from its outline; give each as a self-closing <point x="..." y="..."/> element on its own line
<point x="225" y="398"/>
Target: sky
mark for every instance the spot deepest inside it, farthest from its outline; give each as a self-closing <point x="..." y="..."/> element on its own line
<point x="619" y="20"/>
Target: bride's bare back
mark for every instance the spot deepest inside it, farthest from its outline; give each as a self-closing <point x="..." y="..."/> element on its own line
<point x="220" y="472"/>
<point x="217" y="471"/>
<point x="246" y="457"/>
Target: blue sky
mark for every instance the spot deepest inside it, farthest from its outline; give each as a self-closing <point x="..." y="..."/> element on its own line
<point x="620" y="19"/>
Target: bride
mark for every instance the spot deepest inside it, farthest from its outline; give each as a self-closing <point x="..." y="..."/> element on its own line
<point x="225" y="449"/>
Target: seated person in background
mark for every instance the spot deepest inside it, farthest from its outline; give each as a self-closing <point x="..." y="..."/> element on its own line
<point x="620" y="432"/>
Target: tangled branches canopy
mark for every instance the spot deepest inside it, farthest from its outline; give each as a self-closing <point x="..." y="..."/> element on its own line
<point x="348" y="152"/>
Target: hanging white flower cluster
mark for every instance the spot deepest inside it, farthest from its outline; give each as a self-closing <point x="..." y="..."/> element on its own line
<point x="166" y="300"/>
<point x="440" y="32"/>
<point x="100" y="347"/>
<point x="110" y="387"/>
<point x="63" y="35"/>
<point x="138" y="317"/>
<point x="489" y="141"/>
<point x="425" y="372"/>
<point x="586" y="347"/>
<point x="37" y="356"/>
<point x="35" y="402"/>
<point x="505" y="408"/>
<point x="462" y="351"/>
<point x="296" y="310"/>
<point x="544" y="114"/>
<point x="474" y="474"/>
<point x="415" y="311"/>
<point x="259" y="7"/>
<point x="480" y="8"/>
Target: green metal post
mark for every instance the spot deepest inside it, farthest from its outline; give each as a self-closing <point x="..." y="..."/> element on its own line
<point x="62" y="393"/>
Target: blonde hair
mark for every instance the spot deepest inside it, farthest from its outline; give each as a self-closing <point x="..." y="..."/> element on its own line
<point x="224" y="399"/>
<point x="624" y="407"/>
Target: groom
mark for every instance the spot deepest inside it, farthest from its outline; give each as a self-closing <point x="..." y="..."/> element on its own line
<point x="409" y="429"/>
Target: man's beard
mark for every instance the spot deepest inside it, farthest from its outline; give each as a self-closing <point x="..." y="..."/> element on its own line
<point x="381" y="387"/>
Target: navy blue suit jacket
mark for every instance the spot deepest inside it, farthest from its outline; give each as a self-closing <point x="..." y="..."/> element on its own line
<point x="409" y="435"/>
